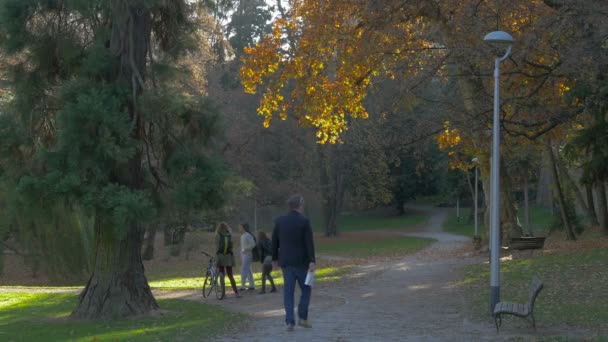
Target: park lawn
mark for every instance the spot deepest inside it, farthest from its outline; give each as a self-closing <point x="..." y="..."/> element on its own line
<point x="380" y="221"/>
<point x="463" y="226"/>
<point x="32" y="316"/>
<point x="574" y="288"/>
<point x="195" y="281"/>
<point x="540" y="222"/>
<point x="368" y="246"/>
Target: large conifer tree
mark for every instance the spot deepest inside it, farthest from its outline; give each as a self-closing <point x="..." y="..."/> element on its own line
<point x="90" y="129"/>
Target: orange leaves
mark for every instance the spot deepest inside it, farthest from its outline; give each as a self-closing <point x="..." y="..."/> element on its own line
<point x="318" y="63"/>
<point x="449" y="138"/>
<point x="265" y="62"/>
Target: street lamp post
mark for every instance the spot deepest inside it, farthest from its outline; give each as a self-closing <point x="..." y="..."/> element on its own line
<point x="505" y="38"/>
<point x="476" y="238"/>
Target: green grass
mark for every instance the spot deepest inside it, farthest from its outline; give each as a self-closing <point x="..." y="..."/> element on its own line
<point x="43" y="317"/>
<point x="373" y="247"/>
<point x="195" y="281"/>
<point x="574" y="292"/>
<point x="379" y="221"/>
<point x="463" y="226"/>
<point x="540" y="221"/>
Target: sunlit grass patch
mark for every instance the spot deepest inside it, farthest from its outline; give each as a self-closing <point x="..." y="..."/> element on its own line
<point x="324" y="274"/>
<point x="43" y="317"/>
<point x="573" y="291"/>
<point x="373" y="246"/>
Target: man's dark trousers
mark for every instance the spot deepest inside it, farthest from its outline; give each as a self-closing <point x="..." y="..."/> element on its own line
<point x="291" y="274"/>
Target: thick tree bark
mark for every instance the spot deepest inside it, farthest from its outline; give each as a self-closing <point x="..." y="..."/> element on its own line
<point x="560" y="195"/>
<point x="118" y="286"/>
<point x="332" y="187"/>
<point x="148" y="253"/>
<point x="509" y="221"/>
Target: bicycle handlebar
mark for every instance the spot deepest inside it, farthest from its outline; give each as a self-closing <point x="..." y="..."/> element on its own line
<point x="203" y="252"/>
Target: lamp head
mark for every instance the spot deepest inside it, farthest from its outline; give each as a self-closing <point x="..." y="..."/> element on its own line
<point x="474" y="160"/>
<point x="499" y="37"/>
<point x="500" y="40"/>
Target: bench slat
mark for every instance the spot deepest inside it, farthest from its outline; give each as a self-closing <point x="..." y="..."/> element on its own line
<point x="526" y="243"/>
<point x="519" y="309"/>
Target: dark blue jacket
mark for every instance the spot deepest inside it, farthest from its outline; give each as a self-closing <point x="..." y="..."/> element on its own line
<point x="292" y="243"/>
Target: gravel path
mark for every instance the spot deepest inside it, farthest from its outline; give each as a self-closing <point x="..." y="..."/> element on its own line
<point x="410" y="299"/>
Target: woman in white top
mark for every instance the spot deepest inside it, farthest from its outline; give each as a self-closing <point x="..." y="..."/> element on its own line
<point x="248" y="243"/>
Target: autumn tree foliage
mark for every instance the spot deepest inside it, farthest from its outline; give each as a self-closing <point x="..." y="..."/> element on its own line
<point x="319" y="62"/>
<point x="324" y="57"/>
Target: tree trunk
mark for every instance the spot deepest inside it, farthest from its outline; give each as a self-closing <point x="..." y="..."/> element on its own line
<point x="586" y="205"/>
<point x="602" y="212"/>
<point x="118" y="286"/>
<point x="527" y="205"/>
<point x="509" y="221"/>
<point x="167" y="235"/>
<point x="544" y="196"/>
<point x="560" y="195"/>
<point x="591" y="205"/>
<point x="472" y="190"/>
<point x="148" y="253"/>
<point x="332" y="187"/>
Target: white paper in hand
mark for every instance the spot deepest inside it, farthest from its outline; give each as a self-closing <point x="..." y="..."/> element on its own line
<point x="310" y="278"/>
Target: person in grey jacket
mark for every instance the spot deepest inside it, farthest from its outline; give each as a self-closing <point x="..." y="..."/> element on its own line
<point x="293" y="248"/>
<point x="248" y="243"/>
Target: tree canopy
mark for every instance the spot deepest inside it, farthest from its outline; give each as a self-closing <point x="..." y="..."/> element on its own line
<point x="99" y="132"/>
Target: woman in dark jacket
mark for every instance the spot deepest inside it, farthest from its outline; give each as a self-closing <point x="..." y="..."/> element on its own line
<point x="224" y="254"/>
<point x="265" y="248"/>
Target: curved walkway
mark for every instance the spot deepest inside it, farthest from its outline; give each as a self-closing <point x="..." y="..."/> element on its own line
<point x="411" y="299"/>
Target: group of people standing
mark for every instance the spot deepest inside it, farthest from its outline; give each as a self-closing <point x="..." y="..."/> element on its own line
<point x="291" y="248"/>
<point x="249" y="245"/>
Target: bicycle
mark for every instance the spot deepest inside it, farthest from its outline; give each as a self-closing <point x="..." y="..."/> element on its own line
<point x="214" y="280"/>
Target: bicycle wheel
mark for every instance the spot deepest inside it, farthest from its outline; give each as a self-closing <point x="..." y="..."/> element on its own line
<point x="220" y="288"/>
<point x="207" y="284"/>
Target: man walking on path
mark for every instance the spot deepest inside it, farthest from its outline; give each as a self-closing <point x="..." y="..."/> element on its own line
<point x="293" y="248"/>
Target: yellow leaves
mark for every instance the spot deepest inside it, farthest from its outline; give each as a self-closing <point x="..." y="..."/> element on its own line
<point x="563" y="89"/>
<point x="329" y="66"/>
<point x="449" y="138"/>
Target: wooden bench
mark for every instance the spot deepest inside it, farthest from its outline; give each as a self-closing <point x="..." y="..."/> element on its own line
<point x="526" y="242"/>
<point x="517" y="309"/>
